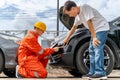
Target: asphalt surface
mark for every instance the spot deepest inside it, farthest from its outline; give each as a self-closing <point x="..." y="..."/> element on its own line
<point x="115" y="75"/>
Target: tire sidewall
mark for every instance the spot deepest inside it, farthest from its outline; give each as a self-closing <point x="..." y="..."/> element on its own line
<point x="84" y="69"/>
<point x="1" y="62"/>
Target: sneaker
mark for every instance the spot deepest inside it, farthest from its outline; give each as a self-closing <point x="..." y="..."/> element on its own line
<point x="86" y="76"/>
<point x="96" y="76"/>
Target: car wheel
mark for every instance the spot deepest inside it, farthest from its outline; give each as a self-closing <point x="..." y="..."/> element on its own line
<point x="9" y="73"/>
<point x="83" y="62"/>
<point x="1" y="62"/>
<point x="75" y="73"/>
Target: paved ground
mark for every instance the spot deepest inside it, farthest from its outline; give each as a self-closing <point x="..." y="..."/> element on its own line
<point x="58" y="74"/>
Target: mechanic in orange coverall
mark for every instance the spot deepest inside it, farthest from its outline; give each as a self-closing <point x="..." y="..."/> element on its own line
<point x="32" y="58"/>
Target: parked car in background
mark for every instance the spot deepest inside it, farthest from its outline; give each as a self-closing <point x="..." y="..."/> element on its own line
<point x="76" y="55"/>
<point x="8" y="50"/>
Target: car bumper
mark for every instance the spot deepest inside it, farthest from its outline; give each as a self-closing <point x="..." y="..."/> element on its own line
<point x="64" y="60"/>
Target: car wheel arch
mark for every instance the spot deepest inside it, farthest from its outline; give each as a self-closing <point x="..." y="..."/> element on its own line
<point x="109" y="42"/>
<point x="2" y="54"/>
<point x="79" y="44"/>
<point x="3" y="57"/>
<point x="82" y="67"/>
<point x="87" y="39"/>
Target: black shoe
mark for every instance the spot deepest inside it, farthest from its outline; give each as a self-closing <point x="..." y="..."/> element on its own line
<point x="86" y="76"/>
<point x="96" y="76"/>
<point x="19" y="76"/>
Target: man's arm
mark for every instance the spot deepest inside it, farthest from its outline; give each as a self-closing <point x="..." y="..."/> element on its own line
<point x="91" y="28"/>
<point x="65" y="41"/>
<point x="96" y="42"/>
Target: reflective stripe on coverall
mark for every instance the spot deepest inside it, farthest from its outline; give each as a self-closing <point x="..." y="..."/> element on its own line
<point x="32" y="58"/>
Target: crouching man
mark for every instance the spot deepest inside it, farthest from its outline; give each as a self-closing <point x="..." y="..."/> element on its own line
<point x="32" y="58"/>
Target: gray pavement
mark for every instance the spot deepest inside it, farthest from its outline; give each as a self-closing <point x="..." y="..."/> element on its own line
<point x="115" y="75"/>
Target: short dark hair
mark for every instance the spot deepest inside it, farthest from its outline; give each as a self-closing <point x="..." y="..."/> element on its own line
<point x="68" y="5"/>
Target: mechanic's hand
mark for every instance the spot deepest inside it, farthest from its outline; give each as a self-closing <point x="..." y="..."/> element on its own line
<point x="96" y="42"/>
<point x="65" y="41"/>
<point x="56" y="49"/>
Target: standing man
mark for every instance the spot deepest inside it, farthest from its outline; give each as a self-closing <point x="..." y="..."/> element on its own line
<point x="32" y="58"/>
<point x="98" y="26"/>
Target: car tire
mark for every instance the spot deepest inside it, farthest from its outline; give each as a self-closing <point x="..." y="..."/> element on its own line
<point x="9" y="73"/>
<point x="83" y="62"/>
<point x="75" y="73"/>
<point x="1" y="62"/>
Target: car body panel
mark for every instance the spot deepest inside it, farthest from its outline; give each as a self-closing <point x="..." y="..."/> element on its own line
<point x="9" y="47"/>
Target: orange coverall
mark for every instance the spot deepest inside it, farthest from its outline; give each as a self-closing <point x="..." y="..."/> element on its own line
<point x="32" y="58"/>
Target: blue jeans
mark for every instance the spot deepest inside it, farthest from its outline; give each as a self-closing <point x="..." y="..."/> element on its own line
<point x="96" y="54"/>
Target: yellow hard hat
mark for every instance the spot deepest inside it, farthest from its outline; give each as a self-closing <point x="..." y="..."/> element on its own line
<point x="40" y="25"/>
